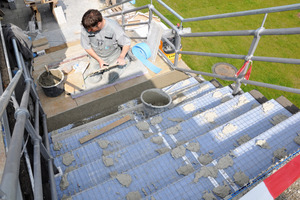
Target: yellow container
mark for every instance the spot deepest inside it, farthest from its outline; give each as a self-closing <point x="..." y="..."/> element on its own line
<point x="169" y="55"/>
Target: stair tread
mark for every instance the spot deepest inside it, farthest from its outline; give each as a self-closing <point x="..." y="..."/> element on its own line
<point x="245" y="152"/>
<point x="150" y="153"/>
<point x="72" y="142"/>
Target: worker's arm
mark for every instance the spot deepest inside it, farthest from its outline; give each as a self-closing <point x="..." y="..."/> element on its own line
<point x="92" y="53"/>
<point x="121" y="60"/>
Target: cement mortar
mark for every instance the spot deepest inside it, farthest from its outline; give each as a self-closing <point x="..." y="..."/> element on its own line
<point x="176" y="119"/>
<point x="107" y="161"/>
<point x="156" y="120"/>
<point x="173" y="130"/>
<point x="280" y="153"/>
<point x="297" y="139"/>
<point x="189" y="107"/>
<point x="113" y="174"/>
<point x="242" y="100"/>
<point x="157" y="140"/>
<point x="240" y="178"/>
<point x="185" y="170"/>
<point x="225" y="162"/>
<point x="205" y="159"/>
<point x="71" y="168"/>
<point x="194" y="146"/>
<point x="204" y="87"/>
<point x="106" y="153"/>
<point x="263" y="144"/>
<point x="65" y="197"/>
<point x="222" y="191"/>
<point x="217" y="94"/>
<point x="143" y="126"/>
<point x="227" y="129"/>
<point x="210" y="117"/>
<point x="206" y="172"/>
<point x="155" y="99"/>
<point x="243" y="139"/>
<point x="103" y="143"/>
<point x="64" y="183"/>
<point x="147" y="135"/>
<point x="163" y="150"/>
<point x="178" y="152"/>
<point x="209" y="196"/>
<point x="124" y="179"/>
<point x="57" y="146"/>
<point x="278" y="118"/>
<point x="50" y="79"/>
<point x="267" y="107"/>
<point x="68" y="158"/>
<point x="133" y="196"/>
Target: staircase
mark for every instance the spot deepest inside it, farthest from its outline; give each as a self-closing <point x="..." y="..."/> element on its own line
<point x="208" y="145"/>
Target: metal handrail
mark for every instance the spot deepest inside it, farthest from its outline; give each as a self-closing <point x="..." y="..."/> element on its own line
<point x="250" y="56"/>
<point x="10" y="177"/>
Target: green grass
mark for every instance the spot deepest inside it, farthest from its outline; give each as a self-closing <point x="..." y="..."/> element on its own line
<point x="270" y="46"/>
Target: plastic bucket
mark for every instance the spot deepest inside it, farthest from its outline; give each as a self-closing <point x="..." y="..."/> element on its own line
<point x="155" y="101"/>
<point x="52" y="82"/>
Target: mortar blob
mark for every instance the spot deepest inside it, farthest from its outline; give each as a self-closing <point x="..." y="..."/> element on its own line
<point x="155" y="101"/>
<point x="52" y="82"/>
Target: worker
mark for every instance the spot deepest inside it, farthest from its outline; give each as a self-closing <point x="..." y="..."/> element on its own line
<point x="110" y="2"/>
<point x="106" y="43"/>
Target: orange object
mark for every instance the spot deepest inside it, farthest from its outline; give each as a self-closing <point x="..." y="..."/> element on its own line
<point x="170" y="55"/>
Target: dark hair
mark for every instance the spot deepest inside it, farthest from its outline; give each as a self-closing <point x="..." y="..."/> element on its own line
<point x="91" y="18"/>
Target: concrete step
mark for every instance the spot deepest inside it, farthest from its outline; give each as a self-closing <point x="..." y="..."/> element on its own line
<point x="144" y="150"/>
<point x="249" y="158"/>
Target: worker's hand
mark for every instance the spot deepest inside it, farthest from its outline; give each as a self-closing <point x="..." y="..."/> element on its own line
<point x="102" y="64"/>
<point x="121" y="61"/>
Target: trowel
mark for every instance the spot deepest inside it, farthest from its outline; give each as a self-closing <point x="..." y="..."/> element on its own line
<point x="102" y="70"/>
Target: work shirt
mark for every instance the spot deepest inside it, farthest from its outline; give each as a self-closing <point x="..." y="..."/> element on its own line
<point x="107" y="42"/>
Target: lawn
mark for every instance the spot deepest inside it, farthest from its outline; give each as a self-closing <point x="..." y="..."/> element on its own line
<point x="270" y="46"/>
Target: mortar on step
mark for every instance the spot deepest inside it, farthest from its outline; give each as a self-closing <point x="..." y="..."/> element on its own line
<point x="155" y="101"/>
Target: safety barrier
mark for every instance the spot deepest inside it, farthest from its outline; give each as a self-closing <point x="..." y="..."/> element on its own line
<point x="9" y="187"/>
<point x="249" y="57"/>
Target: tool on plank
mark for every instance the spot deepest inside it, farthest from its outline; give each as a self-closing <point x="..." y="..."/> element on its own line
<point x="102" y="70"/>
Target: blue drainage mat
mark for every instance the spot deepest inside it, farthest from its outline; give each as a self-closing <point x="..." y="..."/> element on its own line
<point x="198" y="104"/>
<point x="251" y="123"/>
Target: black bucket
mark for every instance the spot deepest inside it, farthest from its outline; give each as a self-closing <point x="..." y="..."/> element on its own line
<point x="52" y="82"/>
<point x="155" y="101"/>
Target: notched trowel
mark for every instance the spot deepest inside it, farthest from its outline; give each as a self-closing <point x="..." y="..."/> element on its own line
<point x="102" y="70"/>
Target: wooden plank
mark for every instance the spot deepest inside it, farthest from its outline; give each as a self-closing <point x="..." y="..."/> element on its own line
<point x="74" y="82"/>
<point x="104" y="129"/>
<point x="40" y="42"/>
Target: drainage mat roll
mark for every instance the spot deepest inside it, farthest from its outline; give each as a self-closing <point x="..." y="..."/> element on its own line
<point x="143" y="52"/>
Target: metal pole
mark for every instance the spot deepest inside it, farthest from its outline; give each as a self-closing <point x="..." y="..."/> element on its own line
<point x="38" y="190"/>
<point x="11" y="170"/>
<point x="177" y="48"/>
<point x="50" y="161"/>
<point x="250" y="54"/>
<point x="5" y="97"/>
<point x="245" y="13"/>
<point x="5" y="54"/>
<point x="170" y="9"/>
<point x="207" y="74"/>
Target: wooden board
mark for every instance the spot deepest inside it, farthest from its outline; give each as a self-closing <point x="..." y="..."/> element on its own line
<point x="40" y="44"/>
<point x="104" y="129"/>
<point x="74" y="82"/>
